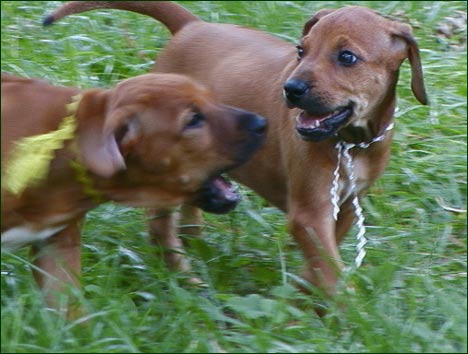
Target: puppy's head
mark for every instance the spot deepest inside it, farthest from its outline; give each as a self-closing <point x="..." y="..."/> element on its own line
<point x="347" y="69"/>
<point x="161" y="140"/>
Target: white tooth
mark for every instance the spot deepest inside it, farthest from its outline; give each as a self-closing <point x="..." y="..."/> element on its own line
<point x="311" y="125"/>
<point x="234" y="186"/>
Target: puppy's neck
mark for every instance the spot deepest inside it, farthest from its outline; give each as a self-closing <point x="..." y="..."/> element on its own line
<point x="377" y="124"/>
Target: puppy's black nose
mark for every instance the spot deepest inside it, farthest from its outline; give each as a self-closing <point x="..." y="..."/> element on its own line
<point x="256" y="124"/>
<point x="295" y="89"/>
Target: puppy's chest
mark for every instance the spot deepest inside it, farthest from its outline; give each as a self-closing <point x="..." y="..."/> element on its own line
<point x="28" y="231"/>
<point x="355" y="177"/>
<point x="20" y="236"/>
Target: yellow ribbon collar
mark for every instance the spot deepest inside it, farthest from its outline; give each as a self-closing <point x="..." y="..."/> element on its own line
<point x="30" y="159"/>
<point x="31" y="156"/>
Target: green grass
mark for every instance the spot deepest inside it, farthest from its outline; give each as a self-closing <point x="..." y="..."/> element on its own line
<point x="410" y="294"/>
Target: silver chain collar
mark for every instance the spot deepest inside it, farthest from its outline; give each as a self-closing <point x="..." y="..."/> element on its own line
<point x="342" y="149"/>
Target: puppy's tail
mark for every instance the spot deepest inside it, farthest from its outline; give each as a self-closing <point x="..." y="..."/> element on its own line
<point x="173" y="16"/>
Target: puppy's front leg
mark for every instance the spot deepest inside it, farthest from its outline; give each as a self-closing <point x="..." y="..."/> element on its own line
<point x="57" y="262"/>
<point x="163" y="232"/>
<point x="314" y="231"/>
<point x="191" y="221"/>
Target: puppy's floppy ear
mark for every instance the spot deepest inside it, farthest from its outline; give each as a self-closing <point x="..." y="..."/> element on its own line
<point x="417" y="80"/>
<point x="308" y="25"/>
<point x="98" y="148"/>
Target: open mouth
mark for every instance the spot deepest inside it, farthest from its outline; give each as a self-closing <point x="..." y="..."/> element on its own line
<point x="320" y="127"/>
<point x="218" y="196"/>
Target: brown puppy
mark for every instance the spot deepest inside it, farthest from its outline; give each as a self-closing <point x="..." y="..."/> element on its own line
<point x="156" y="140"/>
<point x="331" y="95"/>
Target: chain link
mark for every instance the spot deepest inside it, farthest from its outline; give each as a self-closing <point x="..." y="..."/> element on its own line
<point x="342" y="150"/>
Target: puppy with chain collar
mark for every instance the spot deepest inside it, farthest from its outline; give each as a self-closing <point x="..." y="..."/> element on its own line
<point x="337" y="86"/>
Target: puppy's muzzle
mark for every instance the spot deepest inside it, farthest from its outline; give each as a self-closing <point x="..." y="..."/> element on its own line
<point x="318" y="120"/>
<point x="218" y="195"/>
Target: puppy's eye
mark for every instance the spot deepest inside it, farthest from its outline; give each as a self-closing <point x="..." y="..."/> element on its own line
<point x="196" y="121"/>
<point x="300" y="52"/>
<point x="347" y="58"/>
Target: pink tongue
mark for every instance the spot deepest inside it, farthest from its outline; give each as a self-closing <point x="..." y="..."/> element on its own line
<point x="308" y="121"/>
<point x="226" y="188"/>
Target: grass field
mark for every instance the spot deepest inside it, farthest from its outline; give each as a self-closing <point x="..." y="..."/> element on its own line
<point x="410" y="293"/>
